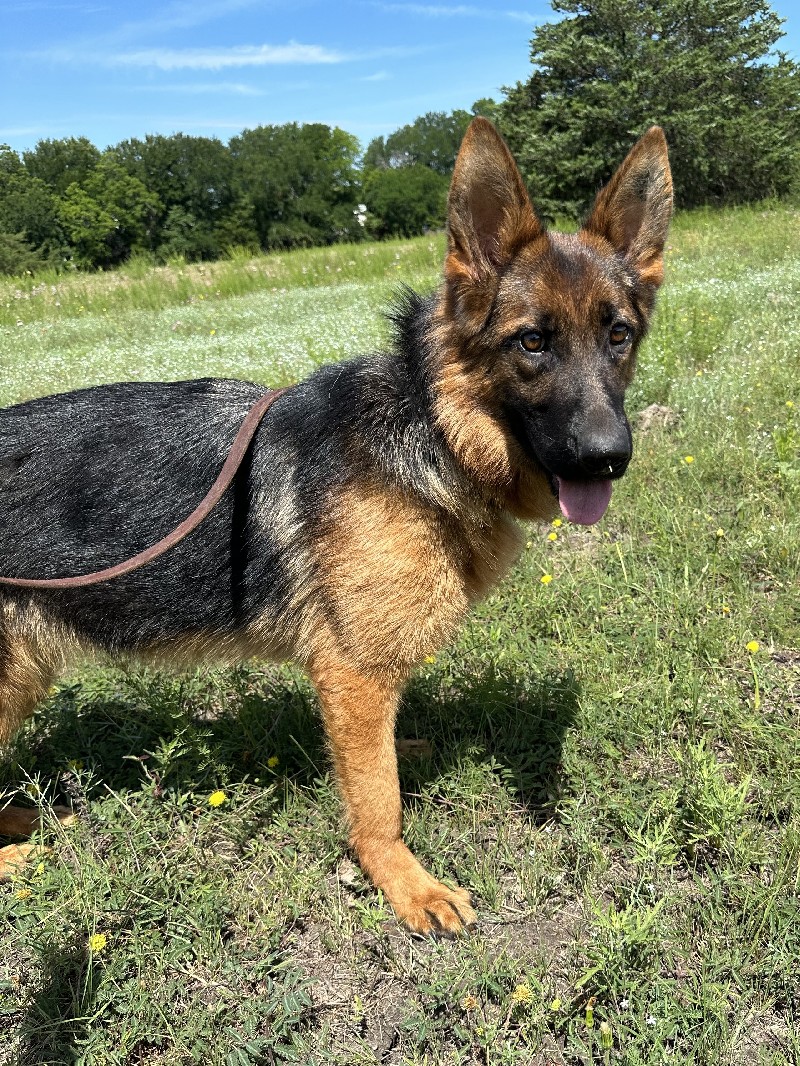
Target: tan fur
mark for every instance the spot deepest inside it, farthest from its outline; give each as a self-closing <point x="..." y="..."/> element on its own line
<point x="359" y="717"/>
<point x="28" y="663"/>
<point x="402" y="592"/>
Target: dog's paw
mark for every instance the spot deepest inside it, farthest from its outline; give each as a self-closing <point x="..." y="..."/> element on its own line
<point x="438" y="911"/>
<point x="421" y="902"/>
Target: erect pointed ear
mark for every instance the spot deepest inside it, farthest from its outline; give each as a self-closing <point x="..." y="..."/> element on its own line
<point x="489" y="215"/>
<point x="633" y="211"/>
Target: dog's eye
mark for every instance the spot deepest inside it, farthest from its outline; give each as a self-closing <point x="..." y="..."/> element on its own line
<point x="619" y="333"/>
<point x="532" y="340"/>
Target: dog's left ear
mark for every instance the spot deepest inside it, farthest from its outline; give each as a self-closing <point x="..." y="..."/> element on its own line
<point x="633" y="211"/>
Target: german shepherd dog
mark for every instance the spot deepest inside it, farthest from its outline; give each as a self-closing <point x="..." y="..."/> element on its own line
<point x="379" y="498"/>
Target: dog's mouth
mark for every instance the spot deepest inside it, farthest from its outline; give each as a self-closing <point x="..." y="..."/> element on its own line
<point x="583" y="490"/>
<point x="582" y="502"/>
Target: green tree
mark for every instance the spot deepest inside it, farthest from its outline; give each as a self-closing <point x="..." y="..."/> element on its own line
<point x="29" y="209"/>
<point x="59" y="163"/>
<point x="431" y="140"/>
<point x="88" y="226"/>
<point x="702" y="69"/>
<point x="190" y="173"/>
<point x="10" y="162"/>
<point x="404" y="201"/>
<point x="18" y="257"/>
<point x="302" y="183"/>
<point x="133" y="208"/>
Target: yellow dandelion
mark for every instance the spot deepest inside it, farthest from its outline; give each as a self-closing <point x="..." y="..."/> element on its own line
<point x="23" y="893"/>
<point x="546" y="579"/>
<point x="720" y="533"/>
<point x="522" y="994"/>
<point x="789" y="404"/>
<point x="688" y="459"/>
<point x="555" y="1005"/>
<point x="528" y="543"/>
<point x="557" y="523"/>
<point x="216" y="799"/>
<point x="753" y="646"/>
<point x="212" y="332"/>
<point x="552" y="536"/>
<point x="272" y="761"/>
<point x="97" y="943"/>
<point x="726" y="609"/>
<point x="430" y="659"/>
<point x="469" y="1002"/>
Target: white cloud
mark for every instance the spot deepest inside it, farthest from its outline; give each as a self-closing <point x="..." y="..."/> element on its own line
<point x="214" y="59"/>
<point x="458" y="11"/>
<point x="237" y="56"/>
<point x="198" y="88"/>
<point x="180" y="15"/>
<point x="380" y="75"/>
<point x="21" y="131"/>
<point x="225" y="58"/>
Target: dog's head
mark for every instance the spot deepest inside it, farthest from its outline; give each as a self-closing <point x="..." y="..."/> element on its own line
<point x="540" y="330"/>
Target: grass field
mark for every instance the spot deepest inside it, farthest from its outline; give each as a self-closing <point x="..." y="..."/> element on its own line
<point x="608" y="757"/>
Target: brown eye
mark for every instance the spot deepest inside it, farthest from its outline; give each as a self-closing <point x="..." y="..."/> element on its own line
<point x="619" y="333"/>
<point x="532" y="340"/>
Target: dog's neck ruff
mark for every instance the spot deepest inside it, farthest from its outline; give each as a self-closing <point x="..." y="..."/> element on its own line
<point x="226" y="475"/>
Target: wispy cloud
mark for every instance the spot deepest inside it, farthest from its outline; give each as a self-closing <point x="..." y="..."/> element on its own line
<point x="458" y="11"/>
<point x="21" y="131"/>
<point x="214" y="59"/>
<point x="179" y="15"/>
<point x="380" y="75"/>
<point x="238" y="56"/>
<point x="199" y="88"/>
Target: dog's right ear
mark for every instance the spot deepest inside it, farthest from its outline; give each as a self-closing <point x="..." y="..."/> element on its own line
<point x="489" y="214"/>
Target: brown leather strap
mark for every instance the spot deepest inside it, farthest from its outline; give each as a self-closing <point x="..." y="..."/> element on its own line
<point x="206" y="505"/>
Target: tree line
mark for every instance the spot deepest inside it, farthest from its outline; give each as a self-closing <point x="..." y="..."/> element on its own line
<point x="706" y="70"/>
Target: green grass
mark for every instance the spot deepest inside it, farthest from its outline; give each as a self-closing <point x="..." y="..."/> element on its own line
<point x="610" y="770"/>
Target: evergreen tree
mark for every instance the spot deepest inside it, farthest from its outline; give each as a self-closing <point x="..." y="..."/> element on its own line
<point x="703" y="69"/>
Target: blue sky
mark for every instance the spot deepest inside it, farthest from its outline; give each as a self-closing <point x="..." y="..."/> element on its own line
<point x="112" y="70"/>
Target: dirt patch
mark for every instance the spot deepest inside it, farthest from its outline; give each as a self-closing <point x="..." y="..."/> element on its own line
<point x="368" y="987"/>
<point x="656" y="416"/>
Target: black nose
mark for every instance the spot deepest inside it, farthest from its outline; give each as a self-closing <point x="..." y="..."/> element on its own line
<point x="605" y="455"/>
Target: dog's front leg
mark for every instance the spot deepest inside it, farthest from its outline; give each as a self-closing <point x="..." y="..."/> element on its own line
<point x="359" y="715"/>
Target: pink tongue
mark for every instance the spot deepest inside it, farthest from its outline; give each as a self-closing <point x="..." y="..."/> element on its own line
<point x="584" y="502"/>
